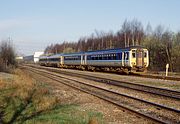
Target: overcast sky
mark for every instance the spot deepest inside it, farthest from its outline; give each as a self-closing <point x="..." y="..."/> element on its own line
<point x="34" y="24"/>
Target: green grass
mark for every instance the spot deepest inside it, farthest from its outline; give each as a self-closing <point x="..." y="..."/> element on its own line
<point x="27" y="101"/>
<point x="67" y="114"/>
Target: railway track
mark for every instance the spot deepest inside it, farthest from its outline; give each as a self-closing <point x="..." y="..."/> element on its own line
<point x="172" y="78"/>
<point x="142" y="88"/>
<point x="128" y="103"/>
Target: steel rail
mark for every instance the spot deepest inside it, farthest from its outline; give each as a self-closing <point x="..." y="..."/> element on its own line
<point x="158" y="105"/>
<point x="140" y="87"/>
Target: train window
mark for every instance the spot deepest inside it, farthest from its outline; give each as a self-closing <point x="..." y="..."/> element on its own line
<point x="109" y="57"/>
<point x="126" y="56"/>
<point x="104" y="57"/>
<point x="100" y="57"/>
<point x="133" y="54"/>
<point x="119" y="56"/>
<point x="88" y="57"/>
<point x="114" y="57"/>
<point x="145" y="54"/>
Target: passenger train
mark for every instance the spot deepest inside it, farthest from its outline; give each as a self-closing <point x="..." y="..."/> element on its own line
<point x="126" y="59"/>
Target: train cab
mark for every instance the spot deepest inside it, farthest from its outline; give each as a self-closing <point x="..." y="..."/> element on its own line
<point x="139" y="58"/>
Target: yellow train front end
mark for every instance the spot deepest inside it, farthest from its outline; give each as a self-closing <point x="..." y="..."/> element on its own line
<point x="139" y="59"/>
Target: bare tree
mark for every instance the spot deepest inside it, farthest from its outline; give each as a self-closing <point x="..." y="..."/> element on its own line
<point x="163" y="45"/>
<point x="132" y="32"/>
<point x="7" y="54"/>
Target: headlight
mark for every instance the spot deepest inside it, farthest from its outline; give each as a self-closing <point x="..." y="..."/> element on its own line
<point x="133" y="63"/>
<point x="145" y="63"/>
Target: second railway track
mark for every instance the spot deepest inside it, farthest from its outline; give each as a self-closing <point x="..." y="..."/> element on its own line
<point x="140" y="87"/>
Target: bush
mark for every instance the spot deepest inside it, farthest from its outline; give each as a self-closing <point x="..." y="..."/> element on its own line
<point x="7" y="56"/>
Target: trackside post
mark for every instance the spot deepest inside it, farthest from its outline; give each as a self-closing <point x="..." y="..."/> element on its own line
<point x="167" y="67"/>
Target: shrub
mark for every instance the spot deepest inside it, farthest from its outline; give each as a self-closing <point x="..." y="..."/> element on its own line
<point x="7" y="56"/>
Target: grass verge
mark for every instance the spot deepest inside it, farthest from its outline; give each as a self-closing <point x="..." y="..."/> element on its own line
<point x="24" y="100"/>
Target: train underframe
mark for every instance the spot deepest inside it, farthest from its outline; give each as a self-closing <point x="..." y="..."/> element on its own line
<point x="121" y="69"/>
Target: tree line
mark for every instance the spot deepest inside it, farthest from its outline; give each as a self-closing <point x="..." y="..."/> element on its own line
<point x="131" y="33"/>
<point x="163" y="44"/>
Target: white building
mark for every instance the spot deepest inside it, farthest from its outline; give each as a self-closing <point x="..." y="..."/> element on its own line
<point x="33" y="58"/>
<point x="37" y="55"/>
<point x="19" y="58"/>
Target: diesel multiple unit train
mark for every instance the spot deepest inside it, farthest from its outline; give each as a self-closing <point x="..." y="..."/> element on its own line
<point x="126" y="59"/>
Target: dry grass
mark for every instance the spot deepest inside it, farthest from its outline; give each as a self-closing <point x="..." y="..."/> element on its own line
<point x="24" y="100"/>
<point x="93" y="121"/>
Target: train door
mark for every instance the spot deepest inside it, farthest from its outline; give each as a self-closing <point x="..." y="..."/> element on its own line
<point x="139" y="58"/>
<point x="126" y="58"/>
<point x="62" y="60"/>
<point x="82" y="59"/>
<point x="122" y="58"/>
<point x="85" y="59"/>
